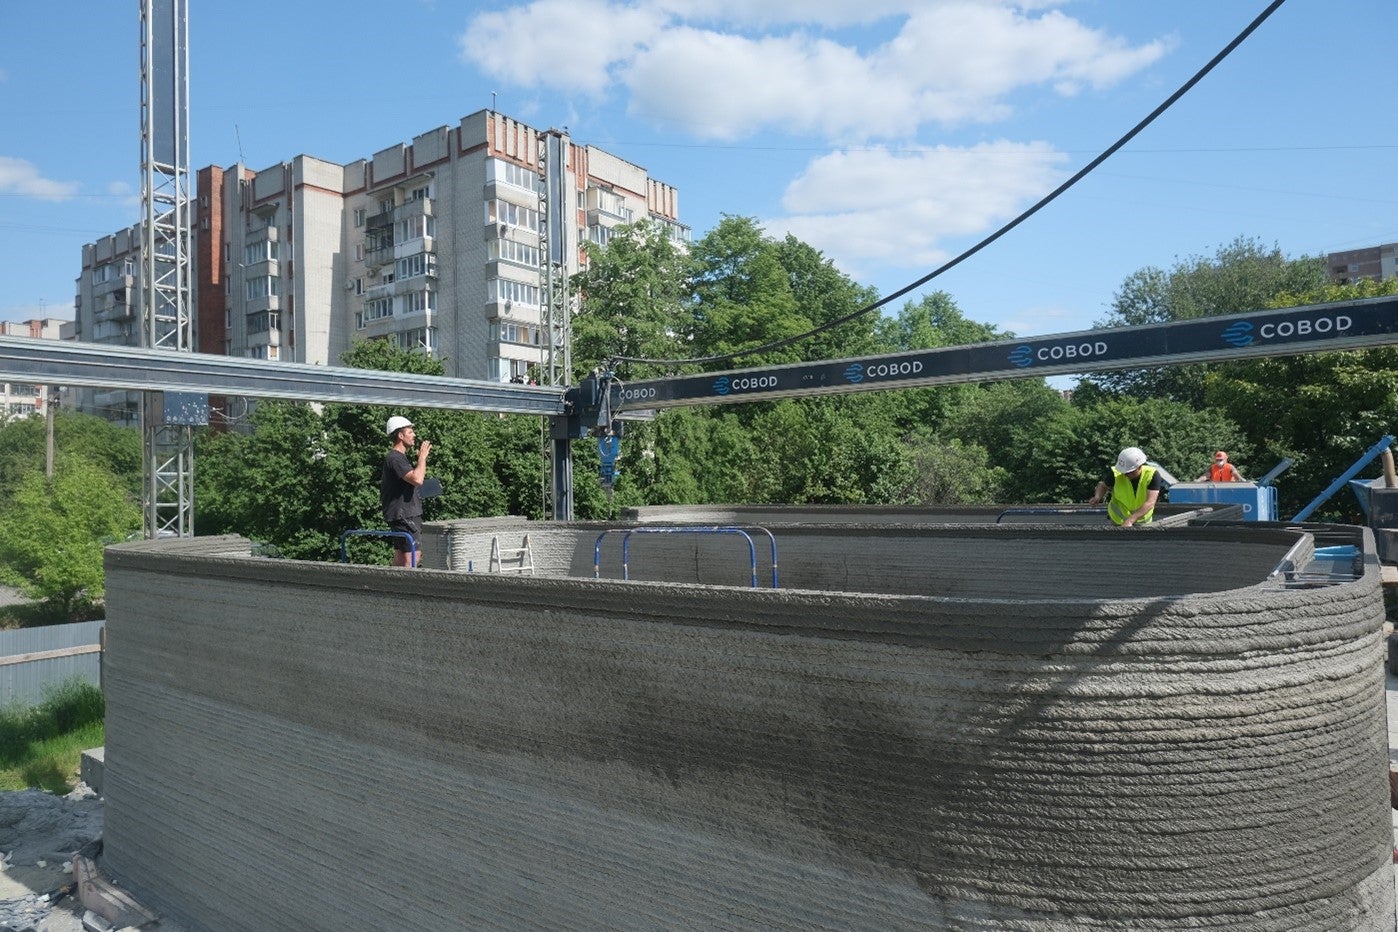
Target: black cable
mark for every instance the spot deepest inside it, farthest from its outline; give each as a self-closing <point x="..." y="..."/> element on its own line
<point x="1043" y="202"/>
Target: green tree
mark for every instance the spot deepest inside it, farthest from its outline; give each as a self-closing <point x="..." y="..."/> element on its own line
<point x="1075" y="446"/>
<point x="824" y="294"/>
<point x="1241" y="276"/>
<point x="22" y="447"/>
<point x="635" y="299"/>
<point x="1321" y="409"/>
<point x="52" y="533"/>
<point x="743" y="295"/>
<point x="301" y="477"/>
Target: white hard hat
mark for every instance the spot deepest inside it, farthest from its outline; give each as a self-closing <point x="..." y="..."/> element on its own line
<point x="1129" y="459"/>
<point x="397" y="423"/>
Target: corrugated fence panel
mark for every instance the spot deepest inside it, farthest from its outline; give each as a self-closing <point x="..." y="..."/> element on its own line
<point x="32" y="659"/>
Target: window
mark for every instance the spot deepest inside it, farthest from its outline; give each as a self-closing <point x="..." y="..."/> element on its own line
<point x="507" y="332"/>
<point x="416" y="228"/>
<point x="259" y="251"/>
<point x="424" y="263"/>
<point x="419" y="194"/>
<point x="517" y="176"/>
<point x="420" y="302"/>
<point x="378" y="308"/>
<point x="358" y="252"/>
<point x="502" y="289"/>
<point x="422" y="339"/>
<point x="264" y="321"/>
<point x="261" y="287"/>
<point x="498" y="211"/>
<point x="512" y="251"/>
<point x="359" y="286"/>
<point x="359" y="216"/>
<point x="385" y="205"/>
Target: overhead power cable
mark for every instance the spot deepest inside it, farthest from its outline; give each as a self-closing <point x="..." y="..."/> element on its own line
<point x="952" y="263"/>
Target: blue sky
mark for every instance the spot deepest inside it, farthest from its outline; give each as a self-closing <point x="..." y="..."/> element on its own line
<point x="890" y="134"/>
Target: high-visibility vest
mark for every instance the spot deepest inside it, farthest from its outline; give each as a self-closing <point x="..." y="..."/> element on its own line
<point x="1222" y="473"/>
<point x="1126" y="498"/>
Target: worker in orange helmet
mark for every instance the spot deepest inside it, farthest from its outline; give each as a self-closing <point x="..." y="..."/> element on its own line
<point x="1221" y="470"/>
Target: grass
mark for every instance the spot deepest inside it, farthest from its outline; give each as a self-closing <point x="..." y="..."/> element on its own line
<point x="41" y="746"/>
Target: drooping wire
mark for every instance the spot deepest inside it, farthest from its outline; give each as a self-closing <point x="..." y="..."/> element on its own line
<point x="952" y="263"/>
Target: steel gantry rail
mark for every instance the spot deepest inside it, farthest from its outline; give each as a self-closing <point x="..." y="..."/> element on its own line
<point x="1288" y="331"/>
<point x="156" y="370"/>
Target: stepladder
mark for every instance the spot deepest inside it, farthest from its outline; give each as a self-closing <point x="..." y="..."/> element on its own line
<point x="511" y="559"/>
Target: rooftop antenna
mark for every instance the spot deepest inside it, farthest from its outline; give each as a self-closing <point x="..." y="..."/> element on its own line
<point x="492" y="101"/>
<point x="239" y="136"/>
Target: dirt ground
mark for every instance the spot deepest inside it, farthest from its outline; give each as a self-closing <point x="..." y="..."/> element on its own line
<point x="38" y="834"/>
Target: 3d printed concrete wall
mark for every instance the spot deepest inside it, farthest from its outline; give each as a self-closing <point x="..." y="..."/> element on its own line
<point x="297" y="745"/>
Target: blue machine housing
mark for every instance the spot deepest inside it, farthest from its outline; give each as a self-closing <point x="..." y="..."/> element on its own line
<point x="1259" y="501"/>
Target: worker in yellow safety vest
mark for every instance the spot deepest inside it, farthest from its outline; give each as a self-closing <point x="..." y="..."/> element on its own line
<point x="1134" y="487"/>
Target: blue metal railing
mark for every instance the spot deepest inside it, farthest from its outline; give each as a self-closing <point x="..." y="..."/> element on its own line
<point x="626" y="542"/>
<point x="412" y="543"/>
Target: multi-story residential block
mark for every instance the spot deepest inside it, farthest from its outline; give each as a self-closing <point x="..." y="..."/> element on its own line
<point x="438" y="244"/>
<point x="1374" y="262"/>
<point x="21" y="399"/>
<point x="107" y="309"/>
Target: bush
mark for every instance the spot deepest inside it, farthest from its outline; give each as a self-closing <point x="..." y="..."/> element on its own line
<point x="66" y="708"/>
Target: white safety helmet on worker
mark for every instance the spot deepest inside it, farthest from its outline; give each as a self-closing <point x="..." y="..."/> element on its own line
<point x="397" y="423"/>
<point x="1129" y="459"/>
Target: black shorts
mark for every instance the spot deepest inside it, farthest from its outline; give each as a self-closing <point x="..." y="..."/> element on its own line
<point x="413" y="526"/>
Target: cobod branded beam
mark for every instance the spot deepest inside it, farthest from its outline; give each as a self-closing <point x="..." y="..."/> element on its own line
<point x="1290" y="331"/>
<point x="934" y="728"/>
<point x="70" y="363"/>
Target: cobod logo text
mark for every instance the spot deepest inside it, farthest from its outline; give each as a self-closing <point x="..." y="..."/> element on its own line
<point x="1061" y="351"/>
<point x="892" y="370"/>
<point x="747" y="383"/>
<point x="1304" y="328"/>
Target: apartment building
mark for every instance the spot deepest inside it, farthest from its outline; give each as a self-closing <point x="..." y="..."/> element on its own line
<point x="1375" y="262"/>
<point x="107" y="309"/>
<point x="21" y="399"/>
<point x="437" y="244"/>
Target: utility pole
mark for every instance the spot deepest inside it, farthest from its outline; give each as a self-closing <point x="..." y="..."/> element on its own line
<point x="50" y="393"/>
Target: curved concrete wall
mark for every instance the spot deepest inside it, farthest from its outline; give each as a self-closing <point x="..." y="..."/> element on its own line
<point x="296" y="745"/>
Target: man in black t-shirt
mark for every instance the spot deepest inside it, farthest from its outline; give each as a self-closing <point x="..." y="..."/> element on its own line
<point x="398" y="489"/>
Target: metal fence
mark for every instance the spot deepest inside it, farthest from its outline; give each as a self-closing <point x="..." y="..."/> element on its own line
<point x="35" y="659"/>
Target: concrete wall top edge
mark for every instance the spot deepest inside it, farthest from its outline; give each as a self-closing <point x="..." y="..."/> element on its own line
<point x="995" y="624"/>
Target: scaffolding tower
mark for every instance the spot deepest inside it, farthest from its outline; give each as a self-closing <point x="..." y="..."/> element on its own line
<point x="168" y="441"/>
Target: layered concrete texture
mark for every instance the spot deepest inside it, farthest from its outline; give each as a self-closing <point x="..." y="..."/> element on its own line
<point x="318" y="746"/>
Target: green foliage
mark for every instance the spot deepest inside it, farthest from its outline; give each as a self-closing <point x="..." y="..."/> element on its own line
<point x="115" y="449"/>
<point x="301" y="477"/>
<point x="40" y="745"/>
<point x="1241" y="276"/>
<point x="1322" y="410"/>
<point x="636" y="297"/>
<point x="52" y="532"/>
<point x="1075" y="447"/>
<point x="743" y="295"/>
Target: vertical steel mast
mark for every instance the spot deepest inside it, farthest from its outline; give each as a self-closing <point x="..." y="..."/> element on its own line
<point x="168" y="463"/>
<point x="554" y="205"/>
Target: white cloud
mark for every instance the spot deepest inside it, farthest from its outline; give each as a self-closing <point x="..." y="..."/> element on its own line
<point x="566" y="44"/>
<point x="20" y="177"/>
<point x="949" y="61"/>
<point x="889" y="208"/>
